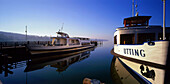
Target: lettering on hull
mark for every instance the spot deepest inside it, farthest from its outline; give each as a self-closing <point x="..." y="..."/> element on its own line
<point x="135" y="52"/>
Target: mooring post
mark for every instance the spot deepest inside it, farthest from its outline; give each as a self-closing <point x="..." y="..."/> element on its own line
<point x="1" y="46"/>
<point x="15" y="45"/>
<point x="28" y="42"/>
<point x="0" y="63"/>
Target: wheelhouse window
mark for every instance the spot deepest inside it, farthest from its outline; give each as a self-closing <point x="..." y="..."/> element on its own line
<point x="127" y="39"/>
<point x="145" y="37"/>
<point x="115" y="39"/>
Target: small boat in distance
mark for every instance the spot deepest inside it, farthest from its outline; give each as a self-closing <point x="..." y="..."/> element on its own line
<point x="61" y="44"/>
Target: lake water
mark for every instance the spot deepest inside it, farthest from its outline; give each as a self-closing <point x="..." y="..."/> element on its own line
<point x="67" y="69"/>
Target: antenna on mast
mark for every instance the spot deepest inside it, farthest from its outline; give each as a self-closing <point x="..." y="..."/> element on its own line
<point x="136" y="10"/>
<point x="62" y="27"/>
<point x="132" y="8"/>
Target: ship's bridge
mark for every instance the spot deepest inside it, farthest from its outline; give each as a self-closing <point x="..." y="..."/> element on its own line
<point x="136" y="21"/>
<point x="62" y="34"/>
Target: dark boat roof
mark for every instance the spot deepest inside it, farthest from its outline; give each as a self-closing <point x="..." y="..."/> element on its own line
<point x="63" y="34"/>
<point x="137" y="19"/>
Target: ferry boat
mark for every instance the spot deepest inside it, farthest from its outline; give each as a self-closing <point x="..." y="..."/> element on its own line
<point x="61" y="44"/>
<point x="143" y="48"/>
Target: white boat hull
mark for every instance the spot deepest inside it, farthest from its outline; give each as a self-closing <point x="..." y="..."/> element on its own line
<point x="55" y="49"/>
<point x="156" y="53"/>
<point x="124" y="74"/>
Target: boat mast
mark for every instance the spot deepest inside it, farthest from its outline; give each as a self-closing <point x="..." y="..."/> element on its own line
<point x="132" y="8"/>
<point x="164" y="20"/>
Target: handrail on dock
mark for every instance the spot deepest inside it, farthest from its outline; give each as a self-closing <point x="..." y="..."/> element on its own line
<point x="21" y="44"/>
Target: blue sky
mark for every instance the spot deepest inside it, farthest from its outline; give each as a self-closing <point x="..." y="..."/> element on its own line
<point x="86" y="18"/>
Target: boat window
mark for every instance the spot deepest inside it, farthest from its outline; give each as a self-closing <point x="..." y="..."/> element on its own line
<point x="115" y="39"/>
<point x="127" y="39"/>
<point x="167" y="35"/>
<point x="145" y="37"/>
<point x="58" y="41"/>
<point x="160" y="36"/>
<point x="72" y="41"/>
<point x="77" y="42"/>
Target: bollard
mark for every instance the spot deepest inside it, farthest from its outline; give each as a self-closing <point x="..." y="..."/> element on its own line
<point x="28" y="42"/>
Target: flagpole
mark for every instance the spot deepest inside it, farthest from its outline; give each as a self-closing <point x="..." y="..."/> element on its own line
<point x="164" y="38"/>
<point x="26" y="32"/>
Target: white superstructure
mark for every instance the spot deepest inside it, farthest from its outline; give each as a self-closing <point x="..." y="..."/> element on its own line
<point x="140" y="41"/>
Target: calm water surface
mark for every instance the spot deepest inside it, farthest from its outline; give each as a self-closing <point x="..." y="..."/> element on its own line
<point x="70" y="69"/>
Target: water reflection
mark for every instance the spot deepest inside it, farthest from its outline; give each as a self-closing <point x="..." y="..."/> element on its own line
<point x="7" y="64"/>
<point x="61" y="62"/>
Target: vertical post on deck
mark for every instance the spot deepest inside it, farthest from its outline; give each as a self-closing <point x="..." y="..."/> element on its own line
<point x="164" y="38"/>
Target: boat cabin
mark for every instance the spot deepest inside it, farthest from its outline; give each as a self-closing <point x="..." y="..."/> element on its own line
<point x="136" y="30"/>
<point x="63" y="39"/>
